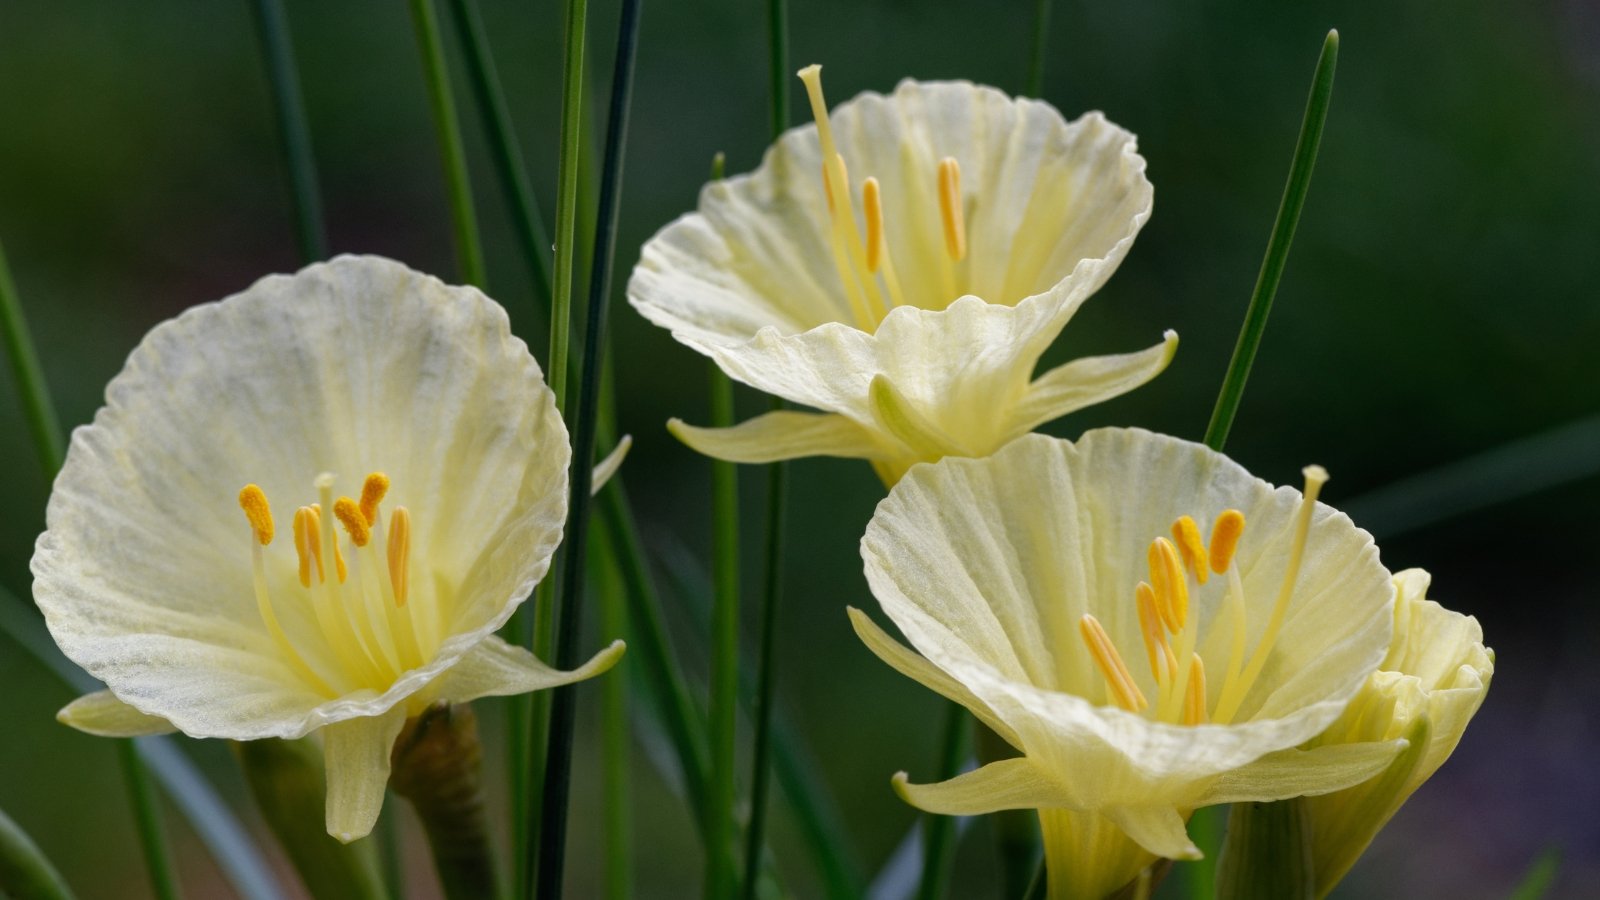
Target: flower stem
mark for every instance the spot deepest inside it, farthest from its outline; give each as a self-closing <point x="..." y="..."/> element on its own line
<point x="558" y="766"/>
<point x="1294" y="200"/>
<point x="1266" y="855"/>
<point x="1041" y="30"/>
<point x="777" y="493"/>
<point x="147" y="815"/>
<point x="938" y="837"/>
<point x="438" y="766"/>
<point x="25" y="872"/>
<point x="614" y="732"/>
<point x="469" y="251"/>
<point x="289" y="105"/>
<point x="1016" y="831"/>
<point x="43" y="426"/>
<point x="724" y="649"/>
<point x="503" y="146"/>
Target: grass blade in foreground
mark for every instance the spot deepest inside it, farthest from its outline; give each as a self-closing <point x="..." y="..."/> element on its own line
<point x="585" y="419"/>
<point x="25" y="872"/>
<point x="939" y="832"/>
<point x="289" y="105"/>
<point x="469" y="252"/>
<point x="503" y="145"/>
<point x="1294" y="200"/>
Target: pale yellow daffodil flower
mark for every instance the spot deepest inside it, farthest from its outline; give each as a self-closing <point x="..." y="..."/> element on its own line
<point x="1427" y="689"/>
<point x="901" y="265"/>
<point x="428" y="463"/>
<point x="1153" y="628"/>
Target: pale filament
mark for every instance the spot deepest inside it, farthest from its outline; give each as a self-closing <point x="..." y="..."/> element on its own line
<point x="366" y="634"/>
<point x="1169" y="624"/>
<point x="862" y="259"/>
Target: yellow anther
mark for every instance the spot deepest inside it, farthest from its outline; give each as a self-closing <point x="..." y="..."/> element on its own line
<point x="305" y="544"/>
<point x="1194" y="697"/>
<point x="399" y="551"/>
<point x="372" y="492"/>
<point x="872" y="205"/>
<point x="1150" y="628"/>
<point x="254" y="503"/>
<point x="1225" y="533"/>
<point x="349" y="514"/>
<point x="338" y="555"/>
<point x="955" y="230"/>
<point x="1186" y="534"/>
<point x="1123" y="689"/>
<point x="1166" y="578"/>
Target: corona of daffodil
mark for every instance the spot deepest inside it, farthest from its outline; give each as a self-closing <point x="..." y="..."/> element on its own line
<point x="1151" y="627"/>
<point x="1427" y="689"/>
<point x="306" y="508"/>
<point x="901" y="266"/>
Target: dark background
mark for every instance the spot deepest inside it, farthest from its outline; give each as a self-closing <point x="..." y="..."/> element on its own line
<point x="1441" y="302"/>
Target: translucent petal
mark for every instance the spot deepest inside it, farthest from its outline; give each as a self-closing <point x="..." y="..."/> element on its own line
<point x="1008" y="784"/>
<point x="782" y="434"/>
<point x="1084" y="382"/>
<point x="356" y="754"/>
<point x="495" y="668"/>
<point x="1158" y="829"/>
<point x="101" y="713"/>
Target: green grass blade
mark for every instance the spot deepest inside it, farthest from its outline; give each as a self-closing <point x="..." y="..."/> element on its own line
<point x="40" y="414"/>
<point x="939" y="832"/>
<point x="1041" y="40"/>
<point x="463" y="221"/>
<point x="1540" y="877"/>
<point x="1537" y="463"/>
<point x="724" y="704"/>
<point x="585" y="421"/>
<point x="504" y="148"/>
<point x="289" y="105"/>
<point x="615" y="731"/>
<point x="25" y="872"/>
<point x="1294" y="200"/>
<point x="147" y="817"/>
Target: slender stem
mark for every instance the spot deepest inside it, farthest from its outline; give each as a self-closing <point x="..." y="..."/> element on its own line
<point x="1294" y="200"/>
<point x="777" y="492"/>
<point x="1016" y="831"/>
<point x="614" y="733"/>
<point x="43" y="426"/>
<point x="1041" y="31"/>
<point x="289" y="106"/>
<point x="503" y="146"/>
<point x="469" y="251"/>
<point x="558" y="766"/>
<point x="147" y="816"/>
<point x="939" y="831"/>
<point x="567" y="199"/>
<point x="724" y="648"/>
<point x="1038" y="883"/>
<point x="25" y="872"/>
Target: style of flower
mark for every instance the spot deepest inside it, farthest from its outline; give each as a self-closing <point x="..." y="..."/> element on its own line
<point x="183" y="593"/>
<point x="1067" y="595"/>
<point x="1426" y="690"/>
<point x="983" y="225"/>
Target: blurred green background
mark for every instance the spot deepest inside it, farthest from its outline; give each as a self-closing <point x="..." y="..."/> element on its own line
<point x="1441" y="301"/>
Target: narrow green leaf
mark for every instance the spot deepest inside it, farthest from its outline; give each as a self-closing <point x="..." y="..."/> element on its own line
<point x="43" y="426"/>
<point x="1540" y="877"/>
<point x="584" y="420"/>
<point x="1294" y="200"/>
<point x="504" y="148"/>
<point x="463" y="221"/>
<point x="720" y="877"/>
<point x="289" y="106"/>
<point x="615" y="731"/>
<point x="25" y="872"/>
<point x="939" y="831"/>
<point x="1041" y="40"/>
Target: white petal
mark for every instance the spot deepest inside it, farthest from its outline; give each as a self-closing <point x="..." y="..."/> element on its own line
<point x="925" y="673"/>
<point x="611" y="464"/>
<point x="1087" y="381"/>
<point x="351" y="366"/>
<point x="356" y="755"/>
<point x="102" y="714"/>
<point x="1300" y="773"/>
<point x="782" y="434"/>
<point x="1158" y="829"/>
<point x="495" y="668"/>
<point x="1008" y="784"/>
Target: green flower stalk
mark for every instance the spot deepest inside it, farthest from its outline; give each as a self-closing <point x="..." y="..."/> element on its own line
<point x="437" y="764"/>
